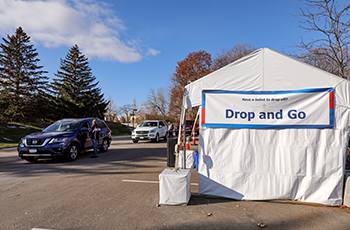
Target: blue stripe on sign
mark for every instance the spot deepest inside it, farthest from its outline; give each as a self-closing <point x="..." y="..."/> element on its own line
<point x="246" y="126"/>
<point x="331" y="117"/>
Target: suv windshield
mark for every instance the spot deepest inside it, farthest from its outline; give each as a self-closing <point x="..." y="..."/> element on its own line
<point x="149" y="124"/>
<point x="189" y="122"/>
<point x="63" y="126"/>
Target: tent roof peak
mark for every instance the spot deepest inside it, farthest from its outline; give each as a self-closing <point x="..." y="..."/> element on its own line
<point x="261" y="70"/>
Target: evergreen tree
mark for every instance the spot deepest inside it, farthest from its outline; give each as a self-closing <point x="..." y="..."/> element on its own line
<point x="22" y="84"/>
<point x="75" y="89"/>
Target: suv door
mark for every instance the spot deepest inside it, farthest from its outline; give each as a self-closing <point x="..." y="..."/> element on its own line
<point x="84" y="135"/>
<point x="103" y="132"/>
<point x="163" y="129"/>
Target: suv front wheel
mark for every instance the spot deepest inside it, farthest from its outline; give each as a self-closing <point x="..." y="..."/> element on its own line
<point x="73" y="152"/>
<point x="156" y="139"/>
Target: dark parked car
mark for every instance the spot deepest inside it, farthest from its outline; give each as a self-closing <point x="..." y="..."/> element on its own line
<point x="64" y="138"/>
<point x="189" y="127"/>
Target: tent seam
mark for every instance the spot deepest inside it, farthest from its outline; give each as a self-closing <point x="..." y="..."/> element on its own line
<point x="263" y="69"/>
<point x="344" y="106"/>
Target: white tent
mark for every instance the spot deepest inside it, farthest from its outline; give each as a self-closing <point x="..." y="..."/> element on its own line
<point x="306" y="164"/>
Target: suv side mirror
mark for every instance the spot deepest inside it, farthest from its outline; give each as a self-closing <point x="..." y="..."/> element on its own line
<point x="160" y="126"/>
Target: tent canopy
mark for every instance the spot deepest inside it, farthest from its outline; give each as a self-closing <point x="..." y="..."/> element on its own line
<point x="263" y="164"/>
<point x="263" y="70"/>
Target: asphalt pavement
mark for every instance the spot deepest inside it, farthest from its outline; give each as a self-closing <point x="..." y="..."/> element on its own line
<point x="120" y="190"/>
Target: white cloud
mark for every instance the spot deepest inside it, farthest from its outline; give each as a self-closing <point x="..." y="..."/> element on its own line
<point x="90" y="24"/>
<point x="153" y="52"/>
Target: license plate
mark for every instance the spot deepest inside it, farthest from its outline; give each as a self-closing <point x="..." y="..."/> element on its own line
<point x="33" y="150"/>
<point x="141" y="137"/>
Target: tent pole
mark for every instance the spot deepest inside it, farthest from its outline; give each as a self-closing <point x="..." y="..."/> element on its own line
<point x="179" y="142"/>
<point x="195" y="121"/>
<point x="184" y="137"/>
<point x="180" y="127"/>
<point x="183" y="128"/>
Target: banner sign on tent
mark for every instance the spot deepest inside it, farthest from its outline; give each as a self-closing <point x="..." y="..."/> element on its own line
<point x="308" y="108"/>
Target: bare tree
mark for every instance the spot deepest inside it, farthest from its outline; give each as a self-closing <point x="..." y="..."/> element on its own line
<point x="125" y="110"/>
<point x="157" y="101"/>
<point x="144" y="108"/>
<point x="331" y="20"/>
<point x="318" y="61"/>
<point x="111" y="108"/>
<point x="227" y="56"/>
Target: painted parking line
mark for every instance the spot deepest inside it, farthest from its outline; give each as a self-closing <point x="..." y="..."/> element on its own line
<point x="149" y="182"/>
<point x="41" y="229"/>
<point x="142" y="181"/>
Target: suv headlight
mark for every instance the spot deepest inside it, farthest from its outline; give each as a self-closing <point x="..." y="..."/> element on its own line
<point x="58" y="140"/>
<point x="22" y="142"/>
<point x="152" y="131"/>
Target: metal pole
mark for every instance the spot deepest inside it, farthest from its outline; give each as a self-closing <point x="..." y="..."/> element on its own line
<point x="184" y="138"/>
<point x="184" y="129"/>
<point x="195" y="120"/>
<point x="182" y="126"/>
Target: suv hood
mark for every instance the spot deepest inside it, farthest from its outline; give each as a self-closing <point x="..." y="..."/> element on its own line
<point x="145" y="128"/>
<point x="45" y="135"/>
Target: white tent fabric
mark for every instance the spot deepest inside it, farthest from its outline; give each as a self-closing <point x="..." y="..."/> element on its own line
<point x="264" y="164"/>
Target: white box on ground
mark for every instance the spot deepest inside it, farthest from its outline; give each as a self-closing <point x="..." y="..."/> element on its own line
<point x="189" y="159"/>
<point x="174" y="186"/>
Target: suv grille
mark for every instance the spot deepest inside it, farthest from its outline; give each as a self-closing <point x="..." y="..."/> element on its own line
<point x="141" y="132"/>
<point x="36" y="142"/>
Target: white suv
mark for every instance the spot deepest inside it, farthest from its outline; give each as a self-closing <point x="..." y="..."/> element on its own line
<point x="151" y="130"/>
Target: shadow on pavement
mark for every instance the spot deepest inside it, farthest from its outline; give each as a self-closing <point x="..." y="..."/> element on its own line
<point x="198" y="199"/>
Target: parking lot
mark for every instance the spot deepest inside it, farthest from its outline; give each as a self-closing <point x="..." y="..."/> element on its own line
<point x="120" y="190"/>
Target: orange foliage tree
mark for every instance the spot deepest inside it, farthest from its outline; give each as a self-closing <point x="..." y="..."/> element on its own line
<point x="196" y="65"/>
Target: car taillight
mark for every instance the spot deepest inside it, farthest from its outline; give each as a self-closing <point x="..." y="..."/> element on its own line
<point x="110" y="130"/>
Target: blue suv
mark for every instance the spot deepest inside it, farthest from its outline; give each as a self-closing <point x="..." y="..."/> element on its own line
<point x="64" y="138"/>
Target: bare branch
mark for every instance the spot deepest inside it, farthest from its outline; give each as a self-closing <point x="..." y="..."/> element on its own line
<point x="332" y="21"/>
